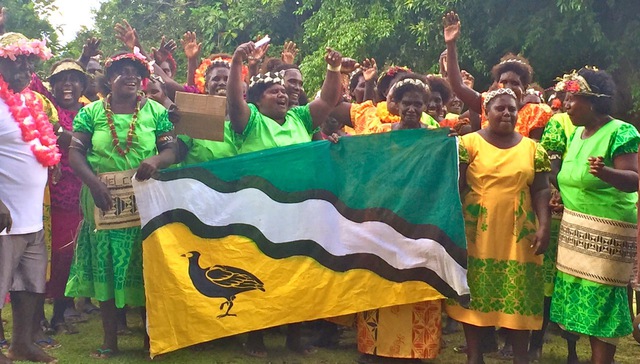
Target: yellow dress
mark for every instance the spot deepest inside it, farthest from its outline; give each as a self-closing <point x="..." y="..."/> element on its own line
<point x="505" y="276"/>
<point x="405" y="331"/>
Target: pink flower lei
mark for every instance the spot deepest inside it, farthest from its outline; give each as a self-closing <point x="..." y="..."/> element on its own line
<point x="28" y="112"/>
<point x="25" y="47"/>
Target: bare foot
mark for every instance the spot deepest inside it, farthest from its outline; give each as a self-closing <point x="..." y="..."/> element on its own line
<point x="4" y="359"/>
<point x="30" y="353"/>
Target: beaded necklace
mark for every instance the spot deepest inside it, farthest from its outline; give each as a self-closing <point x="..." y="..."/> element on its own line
<point x="112" y="127"/>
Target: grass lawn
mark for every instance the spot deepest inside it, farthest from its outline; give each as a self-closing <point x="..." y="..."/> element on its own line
<point x="76" y="348"/>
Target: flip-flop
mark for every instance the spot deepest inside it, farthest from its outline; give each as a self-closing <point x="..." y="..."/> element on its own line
<point x="256" y="353"/>
<point x="48" y="343"/>
<point x="103" y="354"/>
<point x="4" y="344"/>
<point x="65" y="328"/>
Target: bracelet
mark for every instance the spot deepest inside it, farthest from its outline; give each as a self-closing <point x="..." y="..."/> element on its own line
<point x="330" y="68"/>
<point x="555" y="156"/>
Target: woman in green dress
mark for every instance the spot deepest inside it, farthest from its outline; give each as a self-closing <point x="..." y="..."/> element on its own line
<point x="125" y="131"/>
<point x="597" y="244"/>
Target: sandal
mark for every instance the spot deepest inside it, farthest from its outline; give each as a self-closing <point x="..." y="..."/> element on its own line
<point x="101" y="353"/>
<point x="65" y="328"/>
<point x="46" y="328"/>
<point x="90" y="308"/>
<point x="73" y="316"/>
<point x="48" y="343"/>
<point x="255" y="352"/>
<point x="4" y="344"/>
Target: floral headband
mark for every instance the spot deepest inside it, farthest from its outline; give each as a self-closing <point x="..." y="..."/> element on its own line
<point x="266" y="78"/>
<point x="393" y="71"/>
<point x="410" y="81"/>
<point x="13" y="45"/>
<point x="512" y="60"/>
<point x="576" y="84"/>
<point x="136" y="57"/>
<point x="501" y="91"/>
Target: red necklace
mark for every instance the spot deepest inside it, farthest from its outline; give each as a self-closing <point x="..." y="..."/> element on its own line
<point x="28" y="112"/>
<point x="112" y="127"/>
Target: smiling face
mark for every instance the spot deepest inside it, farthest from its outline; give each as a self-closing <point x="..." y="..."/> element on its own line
<point x="434" y="108"/>
<point x="410" y="108"/>
<point x="17" y="74"/>
<point x="502" y="112"/>
<point x="125" y="80"/>
<point x="217" y="79"/>
<point x="455" y="105"/>
<point x="94" y="69"/>
<point x="67" y="88"/>
<point x="274" y="102"/>
<point x="294" y="85"/>
<point x="512" y="81"/>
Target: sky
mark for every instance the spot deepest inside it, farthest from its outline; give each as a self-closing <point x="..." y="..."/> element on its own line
<point x="71" y="15"/>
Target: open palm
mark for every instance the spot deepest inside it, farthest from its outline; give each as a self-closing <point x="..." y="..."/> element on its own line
<point x="451" y="27"/>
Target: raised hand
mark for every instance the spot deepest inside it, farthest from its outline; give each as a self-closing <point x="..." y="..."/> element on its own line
<point x="333" y="58"/>
<point x="289" y="52"/>
<point x="190" y="45"/>
<point x="349" y="65"/>
<point x="244" y="51"/>
<point x="91" y="47"/>
<point x="369" y="69"/>
<point x="467" y="78"/>
<point x="166" y="49"/>
<point x="451" y="23"/>
<point x="258" y="53"/>
<point x="127" y="35"/>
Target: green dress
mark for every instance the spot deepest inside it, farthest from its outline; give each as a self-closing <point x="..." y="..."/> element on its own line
<point x="201" y="150"/>
<point x="263" y="132"/>
<point x="554" y="139"/>
<point x="578" y="304"/>
<point x="107" y="264"/>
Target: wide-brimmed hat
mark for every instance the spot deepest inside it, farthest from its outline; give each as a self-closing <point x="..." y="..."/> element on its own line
<point x="67" y="65"/>
<point x="16" y="44"/>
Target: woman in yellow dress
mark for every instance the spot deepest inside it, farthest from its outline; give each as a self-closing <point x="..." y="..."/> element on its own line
<point x="504" y="184"/>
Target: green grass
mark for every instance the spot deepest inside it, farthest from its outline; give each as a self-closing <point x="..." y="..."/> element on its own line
<point x="76" y="348"/>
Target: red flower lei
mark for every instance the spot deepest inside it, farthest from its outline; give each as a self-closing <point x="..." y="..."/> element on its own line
<point x="112" y="127"/>
<point x="28" y="112"/>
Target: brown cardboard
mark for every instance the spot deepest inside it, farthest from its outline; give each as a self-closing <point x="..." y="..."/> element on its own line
<point x="201" y="116"/>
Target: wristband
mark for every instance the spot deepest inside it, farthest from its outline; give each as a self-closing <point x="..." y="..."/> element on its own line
<point x="334" y="69"/>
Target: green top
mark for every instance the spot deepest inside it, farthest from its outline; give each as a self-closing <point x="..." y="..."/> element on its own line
<point x="583" y="192"/>
<point x="556" y="133"/>
<point x="153" y="120"/>
<point x="263" y="132"/>
<point x="202" y="150"/>
<point x="429" y="121"/>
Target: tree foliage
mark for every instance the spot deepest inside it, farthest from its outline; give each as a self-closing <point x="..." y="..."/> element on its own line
<point x="555" y="35"/>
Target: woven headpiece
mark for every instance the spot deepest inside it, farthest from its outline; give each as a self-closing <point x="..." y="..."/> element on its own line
<point x="501" y="91"/>
<point x="267" y="78"/>
<point x="66" y="66"/>
<point x="575" y="84"/>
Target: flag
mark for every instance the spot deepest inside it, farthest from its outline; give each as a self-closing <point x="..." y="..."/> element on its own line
<point x="298" y="233"/>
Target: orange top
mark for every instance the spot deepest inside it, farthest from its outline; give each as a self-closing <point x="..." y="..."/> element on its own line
<point x="530" y="116"/>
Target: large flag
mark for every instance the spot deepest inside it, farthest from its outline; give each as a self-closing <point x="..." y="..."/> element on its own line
<point x="298" y="233"/>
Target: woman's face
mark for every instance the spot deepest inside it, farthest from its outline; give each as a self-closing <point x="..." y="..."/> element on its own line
<point x="358" y="92"/>
<point x="166" y="68"/>
<point x="154" y="92"/>
<point x="67" y="88"/>
<point x="455" y="105"/>
<point x="294" y="85"/>
<point x="126" y="80"/>
<point x="94" y="69"/>
<point x="217" y="79"/>
<point x="502" y="114"/>
<point x="411" y="107"/>
<point x="434" y="108"/>
<point x="512" y="81"/>
<point x="579" y="109"/>
<point x="274" y="102"/>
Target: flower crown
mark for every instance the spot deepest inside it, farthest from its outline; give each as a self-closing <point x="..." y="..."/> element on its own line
<point x="411" y="81"/>
<point x="265" y="78"/>
<point x="498" y="92"/>
<point x="393" y="71"/>
<point x="13" y="45"/>
<point x="513" y="60"/>
<point x="576" y="84"/>
<point x="136" y="56"/>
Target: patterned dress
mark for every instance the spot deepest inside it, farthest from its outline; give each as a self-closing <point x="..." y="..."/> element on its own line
<point x="107" y="264"/>
<point x="504" y="274"/>
<point x="578" y="304"/>
<point x="554" y="140"/>
<point x="405" y="331"/>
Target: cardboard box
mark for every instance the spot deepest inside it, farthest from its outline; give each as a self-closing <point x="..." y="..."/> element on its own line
<point x="201" y="116"/>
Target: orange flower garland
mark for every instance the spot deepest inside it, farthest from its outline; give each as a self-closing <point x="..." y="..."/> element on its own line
<point x="199" y="76"/>
<point x="34" y="124"/>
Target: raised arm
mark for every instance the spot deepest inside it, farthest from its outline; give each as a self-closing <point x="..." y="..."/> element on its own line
<point x="192" y="51"/>
<point x="237" y="107"/>
<point x="91" y="48"/>
<point x="369" y="72"/>
<point x="330" y="95"/>
<point x="451" y="33"/>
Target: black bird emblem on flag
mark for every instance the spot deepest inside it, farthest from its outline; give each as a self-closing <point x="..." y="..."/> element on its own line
<point x="221" y="281"/>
